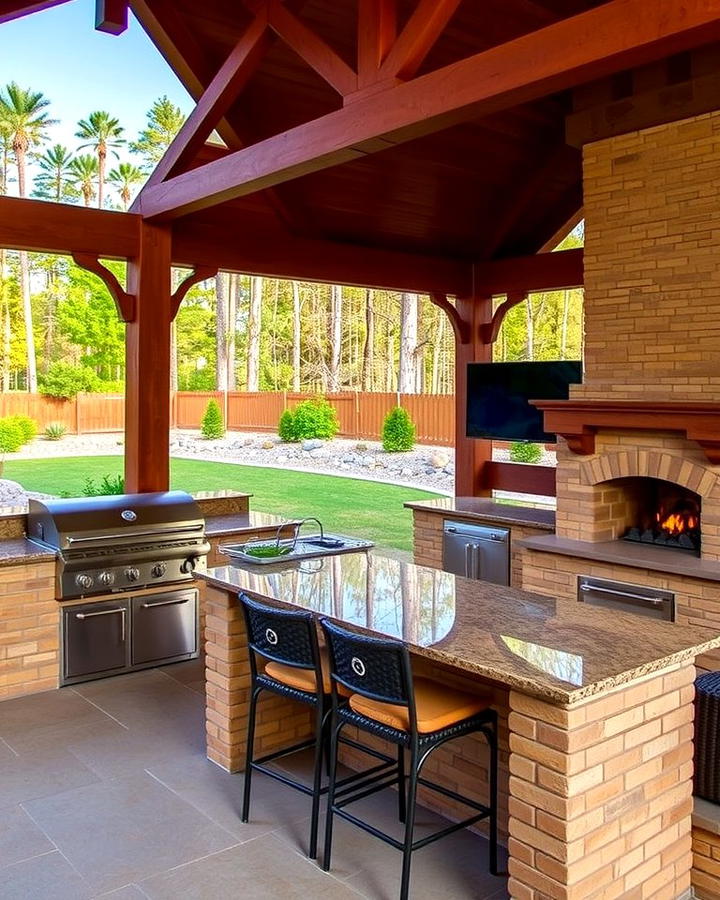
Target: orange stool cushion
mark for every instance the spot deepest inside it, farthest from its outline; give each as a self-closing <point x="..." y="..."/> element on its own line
<point x="303" y="679"/>
<point x="437" y="706"/>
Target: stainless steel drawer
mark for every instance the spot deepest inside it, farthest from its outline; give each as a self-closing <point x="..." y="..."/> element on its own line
<point x="634" y="598"/>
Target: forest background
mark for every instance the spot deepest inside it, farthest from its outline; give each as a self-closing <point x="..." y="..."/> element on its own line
<point x="60" y="334"/>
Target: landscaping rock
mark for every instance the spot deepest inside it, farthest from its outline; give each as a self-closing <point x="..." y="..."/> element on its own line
<point x="449" y="468"/>
<point x="268" y="445"/>
<point x="361" y="448"/>
<point x="312" y="444"/>
<point x="439" y="460"/>
<point x="12" y="493"/>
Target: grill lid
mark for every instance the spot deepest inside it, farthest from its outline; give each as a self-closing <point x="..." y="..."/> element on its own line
<point x="76" y="524"/>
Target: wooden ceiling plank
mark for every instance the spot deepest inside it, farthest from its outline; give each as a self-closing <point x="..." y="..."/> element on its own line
<point x="377" y="30"/>
<point x="311" y="48"/>
<point x="610" y="38"/>
<point x="216" y="100"/>
<point x="111" y="16"/>
<point x="417" y="38"/>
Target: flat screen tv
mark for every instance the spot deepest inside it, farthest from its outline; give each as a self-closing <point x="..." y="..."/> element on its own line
<point x="498" y="397"/>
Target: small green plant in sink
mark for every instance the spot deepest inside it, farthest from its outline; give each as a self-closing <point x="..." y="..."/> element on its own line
<point x="266" y="551"/>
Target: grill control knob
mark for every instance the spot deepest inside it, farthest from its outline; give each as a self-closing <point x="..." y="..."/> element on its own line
<point x="158" y="570"/>
<point x="106" y="578"/>
<point x="132" y="574"/>
<point x="188" y="565"/>
<point x="83" y="581"/>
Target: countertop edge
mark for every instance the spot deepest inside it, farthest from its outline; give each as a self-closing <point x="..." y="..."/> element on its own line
<point x="495" y="516"/>
<point x="22" y="552"/>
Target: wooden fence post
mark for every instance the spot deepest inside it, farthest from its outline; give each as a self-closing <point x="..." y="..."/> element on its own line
<point x="78" y="417"/>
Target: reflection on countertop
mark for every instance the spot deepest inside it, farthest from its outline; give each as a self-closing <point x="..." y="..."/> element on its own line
<point x="488" y="510"/>
<point x="559" y="650"/>
<point x="20" y="551"/>
<point x="235" y="523"/>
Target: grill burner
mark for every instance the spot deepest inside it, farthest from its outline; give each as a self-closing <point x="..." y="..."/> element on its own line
<point x="121" y="542"/>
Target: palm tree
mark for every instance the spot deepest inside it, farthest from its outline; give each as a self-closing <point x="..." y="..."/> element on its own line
<point x="53" y="181"/>
<point x="101" y="133"/>
<point x="123" y="178"/>
<point x="84" y="172"/>
<point x="23" y="118"/>
<point x="164" y="120"/>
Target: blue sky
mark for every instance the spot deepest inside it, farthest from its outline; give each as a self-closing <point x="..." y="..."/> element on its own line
<point x="58" y="52"/>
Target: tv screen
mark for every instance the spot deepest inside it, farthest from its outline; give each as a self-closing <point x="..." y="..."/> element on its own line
<point x="498" y="396"/>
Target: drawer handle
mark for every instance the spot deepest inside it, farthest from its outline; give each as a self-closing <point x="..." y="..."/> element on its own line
<point x="104" y="612"/>
<point x="165" y="603"/>
<point x="630" y="596"/>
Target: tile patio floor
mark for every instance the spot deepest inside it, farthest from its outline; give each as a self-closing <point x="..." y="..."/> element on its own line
<point x="105" y="792"/>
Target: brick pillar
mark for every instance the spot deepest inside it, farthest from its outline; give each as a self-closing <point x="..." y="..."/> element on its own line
<point x="601" y="793"/>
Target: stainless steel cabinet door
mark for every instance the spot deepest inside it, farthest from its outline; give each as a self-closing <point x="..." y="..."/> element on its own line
<point x="164" y="626"/>
<point x="95" y="638"/>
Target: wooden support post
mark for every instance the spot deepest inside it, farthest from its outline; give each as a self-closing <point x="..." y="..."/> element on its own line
<point x="147" y="349"/>
<point x="471" y="454"/>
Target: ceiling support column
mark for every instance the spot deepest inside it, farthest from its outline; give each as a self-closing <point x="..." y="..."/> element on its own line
<point x="147" y="359"/>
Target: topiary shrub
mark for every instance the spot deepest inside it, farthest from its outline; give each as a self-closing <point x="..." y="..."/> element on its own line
<point x="28" y="427"/>
<point x="314" y="419"/>
<point x="212" y="426"/>
<point x="286" y="427"/>
<point x="11" y="437"/>
<point x="398" y="432"/>
<point x="521" y="452"/>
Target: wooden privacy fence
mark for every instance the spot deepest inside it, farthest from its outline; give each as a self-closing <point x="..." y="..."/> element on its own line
<point x="360" y="414"/>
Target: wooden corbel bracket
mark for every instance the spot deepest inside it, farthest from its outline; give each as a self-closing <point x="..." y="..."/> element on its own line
<point x="125" y="303"/>
<point x="200" y="273"/>
<point x="459" y="325"/>
<point x="490" y="330"/>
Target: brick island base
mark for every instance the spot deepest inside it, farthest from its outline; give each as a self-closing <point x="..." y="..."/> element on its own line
<point x="599" y="793"/>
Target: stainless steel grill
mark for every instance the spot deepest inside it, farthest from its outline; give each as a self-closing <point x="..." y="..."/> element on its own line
<point x="121" y="542"/>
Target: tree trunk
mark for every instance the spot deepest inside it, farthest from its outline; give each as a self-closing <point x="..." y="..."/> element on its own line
<point x="336" y="315"/>
<point x="7" y="334"/>
<point x="25" y="287"/>
<point x="408" y="343"/>
<point x="101" y="176"/>
<point x="296" y="338"/>
<point x="530" y="343"/>
<point x="253" y="337"/>
<point x="221" y="331"/>
<point x="564" y="328"/>
<point x="233" y="298"/>
<point x="437" y="353"/>
<point x="369" y="348"/>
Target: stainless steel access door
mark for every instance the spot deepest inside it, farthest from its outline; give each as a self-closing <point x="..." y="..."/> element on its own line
<point x="96" y="639"/>
<point x="477" y="551"/>
<point x="164" y="627"/>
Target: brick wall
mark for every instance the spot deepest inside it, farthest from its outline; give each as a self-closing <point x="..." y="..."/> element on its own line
<point x="30" y="636"/>
<point x="706" y="864"/>
<point x="652" y="282"/>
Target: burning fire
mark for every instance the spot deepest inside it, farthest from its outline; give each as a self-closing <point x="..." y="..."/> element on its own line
<point x="678" y="522"/>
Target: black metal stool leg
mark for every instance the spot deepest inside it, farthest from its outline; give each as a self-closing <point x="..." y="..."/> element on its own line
<point x="249" y="754"/>
<point x="334" y="734"/>
<point x="401" y="783"/>
<point x="317" y="778"/>
<point x="409" y="825"/>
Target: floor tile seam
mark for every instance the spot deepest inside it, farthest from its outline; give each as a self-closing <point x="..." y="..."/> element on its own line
<point x="10" y="747"/>
<point x="130" y="884"/>
<point x="57" y="848"/>
<point x="182" y="865"/>
<point x="100" y="709"/>
<point x="180" y="683"/>
<point x="25" y="859"/>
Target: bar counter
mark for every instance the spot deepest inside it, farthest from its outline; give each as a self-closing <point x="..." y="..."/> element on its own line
<point x="595" y="708"/>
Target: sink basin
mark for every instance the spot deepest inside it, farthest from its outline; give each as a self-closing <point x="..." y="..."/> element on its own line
<point x="288" y="549"/>
<point x="329" y="542"/>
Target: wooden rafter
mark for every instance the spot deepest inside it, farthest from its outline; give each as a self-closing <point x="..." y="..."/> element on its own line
<point x="311" y="48"/>
<point x="490" y="330"/>
<point x="609" y="38"/>
<point x="125" y="302"/>
<point x="14" y="9"/>
<point x="198" y="274"/>
<point x="459" y="325"/>
<point x="377" y="28"/>
<point x="216" y="99"/>
<point x="111" y="16"/>
<point x="537" y="272"/>
<point x="416" y="40"/>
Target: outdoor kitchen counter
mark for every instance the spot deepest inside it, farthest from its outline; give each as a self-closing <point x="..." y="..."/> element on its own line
<point x="20" y="552"/>
<point x="595" y="712"/>
<point x="237" y="523"/>
<point x="484" y="510"/>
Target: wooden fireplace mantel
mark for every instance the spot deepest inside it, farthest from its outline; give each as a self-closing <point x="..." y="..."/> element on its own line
<point x="579" y="420"/>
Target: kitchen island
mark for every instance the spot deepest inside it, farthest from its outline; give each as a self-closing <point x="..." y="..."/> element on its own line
<point x="595" y="709"/>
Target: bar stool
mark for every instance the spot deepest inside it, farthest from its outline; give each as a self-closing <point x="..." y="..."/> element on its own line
<point x="417" y="714"/>
<point x="297" y="668"/>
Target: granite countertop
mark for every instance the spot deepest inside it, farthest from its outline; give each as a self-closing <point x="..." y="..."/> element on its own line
<point x="19" y="551"/>
<point x="236" y="523"/>
<point x="559" y="650"/>
<point x="486" y="510"/>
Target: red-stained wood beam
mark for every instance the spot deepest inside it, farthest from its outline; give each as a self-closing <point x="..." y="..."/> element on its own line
<point x="61" y="228"/>
<point x="612" y="37"/>
<point x="14" y="9"/>
<point x="489" y="331"/>
<point x="377" y="29"/>
<point x="111" y="16"/>
<point x="542" y="272"/>
<point x="201" y="273"/>
<point x="147" y="366"/>
<point x="522" y="479"/>
<point x="459" y="325"/>
<point x="124" y="301"/>
<point x="311" y="48"/>
<point x="216" y="100"/>
<point x="416" y="40"/>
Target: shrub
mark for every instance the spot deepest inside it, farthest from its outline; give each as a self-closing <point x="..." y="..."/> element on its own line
<point x="55" y="431"/>
<point x="314" y="419"/>
<point x="67" y="381"/>
<point x="110" y="484"/>
<point x="286" y="427"/>
<point x="398" y="431"/>
<point x="212" y="426"/>
<point x="520" y="452"/>
<point x="28" y="427"/>
<point x="11" y="437"/>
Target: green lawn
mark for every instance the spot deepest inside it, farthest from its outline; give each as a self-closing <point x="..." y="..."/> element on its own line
<point x="363" y="508"/>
